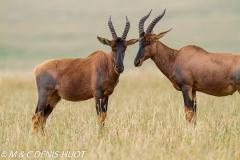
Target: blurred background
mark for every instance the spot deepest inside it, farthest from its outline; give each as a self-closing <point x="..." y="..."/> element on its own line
<point x="34" y="31"/>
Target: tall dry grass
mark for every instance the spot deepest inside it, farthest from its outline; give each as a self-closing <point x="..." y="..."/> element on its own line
<point x="145" y="121"/>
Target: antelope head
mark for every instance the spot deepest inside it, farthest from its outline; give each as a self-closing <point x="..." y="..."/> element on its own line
<point x="147" y="39"/>
<point x="118" y="45"/>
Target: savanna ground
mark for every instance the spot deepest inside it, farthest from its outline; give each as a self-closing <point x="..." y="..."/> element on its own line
<point x="145" y="116"/>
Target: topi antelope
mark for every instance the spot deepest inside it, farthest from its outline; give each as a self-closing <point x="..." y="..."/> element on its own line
<point x="79" y="79"/>
<point x="191" y="68"/>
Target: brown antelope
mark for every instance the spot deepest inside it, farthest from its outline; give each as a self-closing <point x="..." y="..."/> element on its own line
<point x="190" y="68"/>
<point x="79" y="79"/>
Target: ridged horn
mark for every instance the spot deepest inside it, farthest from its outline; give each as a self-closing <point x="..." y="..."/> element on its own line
<point x="114" y="35"/>
<point x="154" y="22"/>
<point x="124" y="36"/>
<point x="141" y="22"/>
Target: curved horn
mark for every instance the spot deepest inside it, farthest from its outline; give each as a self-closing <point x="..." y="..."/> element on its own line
<point x="151" y="26"/>
<point x="114" y="35"/>
<point x="124" y="36"/>
<point x="141" y="22"/>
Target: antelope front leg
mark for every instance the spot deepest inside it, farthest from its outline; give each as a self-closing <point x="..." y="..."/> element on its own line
<point x="190" y="104"/>
<point x="101" y="107"/>
<point x="103" y="113"/>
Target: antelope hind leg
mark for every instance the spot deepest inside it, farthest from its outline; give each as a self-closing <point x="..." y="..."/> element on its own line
<point x="38" y="119"/>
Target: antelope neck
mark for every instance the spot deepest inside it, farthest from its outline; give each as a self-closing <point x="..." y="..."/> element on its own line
<point x="164" y="58"/>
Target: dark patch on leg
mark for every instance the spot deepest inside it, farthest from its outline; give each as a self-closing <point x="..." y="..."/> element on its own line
<point x="45" y="85"/>
<point x="48" y="110"/>
<point x="194" y="101"/>
<point x="187" y="101"/>
<point x="180" y="77"/>
<point x="98" y="85"/>
<point x="42" y="102"/>
<point x="188" y="95"/>
<point x="38" y="117"/>
<point x="103" y="113"/>
<point x="105" y="104"/>
<point x="45" y="81"/>
<point x="189" y="105"/>
<point x="101" y="107"/>
<point x="98" y="96"/>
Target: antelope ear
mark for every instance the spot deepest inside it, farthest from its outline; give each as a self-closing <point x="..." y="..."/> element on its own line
<point x="104" y="41"/>
<point x="133" y="41"/>
<point x="160" y="35"/>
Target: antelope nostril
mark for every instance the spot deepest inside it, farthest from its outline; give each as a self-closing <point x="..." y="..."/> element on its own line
<point x="136" y="63"/>
<point x="119" y="69"/>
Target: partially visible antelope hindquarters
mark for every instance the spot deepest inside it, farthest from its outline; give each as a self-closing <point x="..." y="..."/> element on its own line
<point x="190" y="104"/>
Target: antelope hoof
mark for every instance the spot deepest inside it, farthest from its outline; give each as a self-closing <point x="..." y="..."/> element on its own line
<point x="102" y="118"/>
<point x="36" y="120"/>
<point x="190" y="115"/>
